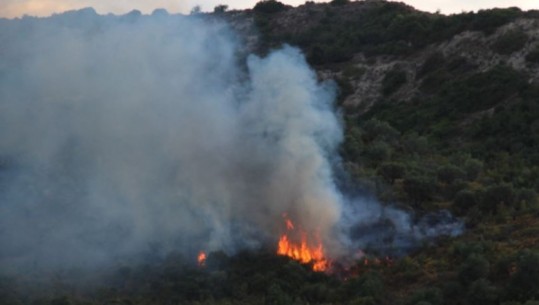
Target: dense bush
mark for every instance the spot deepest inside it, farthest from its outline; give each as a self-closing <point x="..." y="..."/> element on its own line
<point x="510" y="42"/>
<point x="475" y="267"/>
<point x="524" y="284"/>
<point x="376" y="28"/>
<point x="269" y="7"/>
<point x="339" y="2"/>
<point x="488" y="20"/>
<point x="393" y="80"/>
<point x="533" y="55"/>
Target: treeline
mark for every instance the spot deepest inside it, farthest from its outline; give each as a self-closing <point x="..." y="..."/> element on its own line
<point x="334" y="32"/>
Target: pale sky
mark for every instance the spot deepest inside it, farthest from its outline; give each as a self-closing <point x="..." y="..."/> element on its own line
<point x="17" y="8"/>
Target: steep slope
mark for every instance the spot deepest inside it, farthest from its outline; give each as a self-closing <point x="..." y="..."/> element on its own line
<point x="435" y="105"/>
<point x="440" y="112"/>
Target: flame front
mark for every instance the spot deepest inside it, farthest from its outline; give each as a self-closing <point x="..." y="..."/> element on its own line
<point x="302" y="251"/>
<point x="201" y="258"/>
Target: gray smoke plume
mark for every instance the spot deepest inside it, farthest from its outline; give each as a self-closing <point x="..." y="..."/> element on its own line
<point x="121" y="135"/>
<point x="118" y="134"/>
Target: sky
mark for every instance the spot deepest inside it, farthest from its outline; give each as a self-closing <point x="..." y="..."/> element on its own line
<point x="17" y="8"/>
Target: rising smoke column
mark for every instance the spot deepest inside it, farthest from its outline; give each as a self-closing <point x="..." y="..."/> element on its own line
<point x="123" y="135"/>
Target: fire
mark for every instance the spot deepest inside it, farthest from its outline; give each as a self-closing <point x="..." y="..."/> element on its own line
<point x="201" y="258"/>
<point x="302" y="251"/>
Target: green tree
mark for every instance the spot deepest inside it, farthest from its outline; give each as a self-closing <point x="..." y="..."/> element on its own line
<point x="473" y="167"/>
<point x="269" y="7"/>
<point x="418" y="189"/>
<point x="524" y="284"/>
<point x="393" y="80"/>
<point x="221" y="8"/>
<point x="465" y="200"/>
<point x="533" y="55"/>
<point x="482" y="292"/>
<point x="496" y="196"/>
<point x="474" y="268"/>
<point x="511" y="41"/>
<point x="431" y="296"/>
<point x="449" y="173"/>
<point x="391" y="171"/>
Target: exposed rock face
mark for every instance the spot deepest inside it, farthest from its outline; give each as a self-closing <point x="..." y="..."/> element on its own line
<point x="472" y="51"/>
<point x="474" y="48"/>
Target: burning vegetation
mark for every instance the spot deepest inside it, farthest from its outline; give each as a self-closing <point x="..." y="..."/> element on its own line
<point x="201" y="258"/>
<point x="299" y="245"/>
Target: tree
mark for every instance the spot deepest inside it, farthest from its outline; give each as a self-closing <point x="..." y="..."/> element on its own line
<point x="221" y="8"/>
<point x="195" y="10"/>
<point x="481" y="292"/>
<point x="339" y="2"/>
<point x="510" y="42"/>
<point x="418" y="189"/>
<point x="431" y="296"/>
<point x="524" y="284"/>
<point x="391" y="171"/>
<point x="474" y="268"/>
<point x="473" y="167"/>
<point x="496" y="196"/>
<point x="379" y="130"/>
<point x="449" y="173"/>
<point x="269" y="7"/>
<point x="465" y="200"/>
<point x="393" y="80"/>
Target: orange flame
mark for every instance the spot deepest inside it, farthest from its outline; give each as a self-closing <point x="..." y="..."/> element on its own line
<point x="201" y="258"/>
<point x="302" y="251"/>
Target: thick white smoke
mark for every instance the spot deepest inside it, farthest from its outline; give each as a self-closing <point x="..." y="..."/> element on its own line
<point x="119" y="135"/>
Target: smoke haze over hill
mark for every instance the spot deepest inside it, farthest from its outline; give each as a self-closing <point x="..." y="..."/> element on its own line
<point x="119" y="134"/>
<point x="127" y="135"/>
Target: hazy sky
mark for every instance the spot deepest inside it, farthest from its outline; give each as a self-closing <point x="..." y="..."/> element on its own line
<point x="15" y="8"/>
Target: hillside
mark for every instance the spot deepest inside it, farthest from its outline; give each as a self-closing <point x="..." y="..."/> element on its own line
<point x="449" y="102"/>
<point x="439" y="112"/>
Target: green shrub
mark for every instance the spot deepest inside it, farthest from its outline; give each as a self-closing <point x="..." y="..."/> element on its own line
<point x="418" y="189"/>
<point x="221" y="8"/>
<point x="524" y="284"/>
<point x="533" y="56"/>
<point x="269" y="7"/>
<point x="482" y="292"/>
<point x="377" y="151"/>
<point x="465" y="200"/>
<point x="391" y="171"/>
<point x="473" y="167"/>
<point x="489" y="20"/>
<point x="434" y="62"/>
<point x="379" y="130"/>
<point x="431" y="296"/>
<point x="339" y="2"/>
<point x="510" y="42"/>
<point x="497" y="195"/>
<point x="449" y="173"/>
<point x="393" y="80"/>
<point x="481" y="91"/>
<point x="474" y="268"/>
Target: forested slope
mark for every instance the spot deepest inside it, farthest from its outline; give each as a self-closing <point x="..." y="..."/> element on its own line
<point x="440" y="112"/>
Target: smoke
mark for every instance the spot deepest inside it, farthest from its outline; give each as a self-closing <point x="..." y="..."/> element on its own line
<point x="392" y="231"/>
<point x="127" y="136"/>
<point x="123" y="135"/>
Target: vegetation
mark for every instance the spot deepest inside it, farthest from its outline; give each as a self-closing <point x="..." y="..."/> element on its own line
<point x="344" y="28"/>
<point x="393" y="80"/>
<point x="466" y="141"/>
<point x="510" y="42"/>
<point x="533" y="55"/>
<point x="221" y="8"/>
<point x="269" y="7"/>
